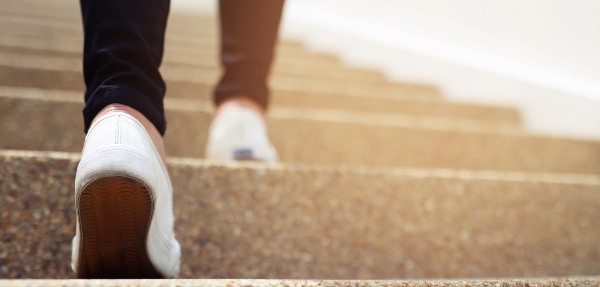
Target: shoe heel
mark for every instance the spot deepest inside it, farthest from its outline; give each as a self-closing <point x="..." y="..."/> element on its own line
<point x="115" y="214"/>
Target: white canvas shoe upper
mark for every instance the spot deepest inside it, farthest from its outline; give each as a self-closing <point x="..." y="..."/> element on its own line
<point x="118" y="145"/>
<point x="239" y="133"/>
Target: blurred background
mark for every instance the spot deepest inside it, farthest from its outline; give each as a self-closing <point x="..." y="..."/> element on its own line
<point x="540" y="56"/>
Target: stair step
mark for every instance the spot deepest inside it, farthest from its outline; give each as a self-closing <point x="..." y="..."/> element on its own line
<point x="48" y="46"/>
<point x="178" y="42"/>
<point x="365" y="104"/>
<point x="210" y="65"/>
<point x="75" y="45"/>
<point x="320" y="136"/>
<point x="566" y="282"/>
<point x="18" y="66"/>
<point x="68" y="18"/>
<point x="45" y="79"/>
<point x="204" y="26"/>
<point x="249" y="220"/>
<point x="40" y="9"/>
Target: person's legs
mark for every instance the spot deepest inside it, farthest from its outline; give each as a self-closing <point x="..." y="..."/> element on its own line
<point x="123" y="194"/>
<point x="248" y="36"/>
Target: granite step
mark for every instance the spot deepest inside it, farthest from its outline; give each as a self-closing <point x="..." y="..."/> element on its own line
<point x="71" y="82"/>
<point x="188" y="43"/>
<point x="40" y="70"/>
<point x="179" y="42"/>
<point x="60" y="43"/>
<point x="249" y="220"/>
<point x="201" y="25"/>
<point x="28" y="45"/>
<point x="208" y="63"/>
<point x="69" y="17"/>
<point x="45" y="79"/>
<point x="320" y="136"/>
<point x="549" y="282"/>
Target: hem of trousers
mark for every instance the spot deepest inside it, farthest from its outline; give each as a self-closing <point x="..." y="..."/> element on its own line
<point x="107" y="95"/>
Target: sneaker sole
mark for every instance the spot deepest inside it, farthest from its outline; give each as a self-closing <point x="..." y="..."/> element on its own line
<point x="115" y="215"/>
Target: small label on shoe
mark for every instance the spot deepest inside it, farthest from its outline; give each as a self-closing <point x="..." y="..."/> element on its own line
<point x="243" y="154"/>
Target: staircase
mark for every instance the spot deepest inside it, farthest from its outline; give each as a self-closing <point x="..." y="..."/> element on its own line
<point x="378" y="180"/>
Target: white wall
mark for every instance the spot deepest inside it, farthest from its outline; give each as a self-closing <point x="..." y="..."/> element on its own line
<point x="542" y="56"/>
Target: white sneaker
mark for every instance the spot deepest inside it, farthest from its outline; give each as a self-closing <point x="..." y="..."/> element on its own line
<point x="239" y="133"/>
<point x="124" y="204"/>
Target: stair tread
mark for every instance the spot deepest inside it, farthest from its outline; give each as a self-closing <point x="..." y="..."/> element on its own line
<point x="250" y="220"/>
<point x="201" y="58"/>
<point x="287" y="111"/>
<point x="209" y="76"/>
<point x="336" y="137"/>
<point x="73" y="44"/>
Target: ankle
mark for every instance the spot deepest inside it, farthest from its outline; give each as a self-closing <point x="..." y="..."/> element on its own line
<point x="155" y="136"/>
<point x="237" y="102"/>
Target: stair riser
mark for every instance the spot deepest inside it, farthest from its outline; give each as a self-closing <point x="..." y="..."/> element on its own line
<point x="70" y="13"/>
<point x="364" y="105"/>
<point x="74" y="81"/>
<point x="52" y="74"/>
<point x="69" y="18"/>
<point x="75" y="45"/>
<point x="310" y="138"/>
<point x="281" y="65"/>
<point x="415" y="107"/>
<point x="337" y="224"/>
<point x="178" y="42"/>
<point x="176" y="34"/>
<point x="68" y="27"/>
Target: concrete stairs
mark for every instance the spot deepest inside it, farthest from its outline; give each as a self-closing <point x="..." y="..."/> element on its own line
<point x="378" y="180"/>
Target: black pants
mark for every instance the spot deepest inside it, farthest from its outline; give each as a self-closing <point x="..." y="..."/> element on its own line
<point x="123" y="48"/>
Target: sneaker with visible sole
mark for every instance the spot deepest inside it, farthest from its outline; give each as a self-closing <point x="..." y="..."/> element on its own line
<point x="239" y="133"/>
<point x="124" y="205"/>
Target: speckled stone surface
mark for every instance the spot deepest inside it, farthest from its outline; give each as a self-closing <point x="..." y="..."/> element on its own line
<point x="335" y="138"/>
<point x="255" y="221"/>
<point x="557" y="282"/>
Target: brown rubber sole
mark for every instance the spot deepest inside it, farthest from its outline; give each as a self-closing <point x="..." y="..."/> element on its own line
<point x="115" y="214"/>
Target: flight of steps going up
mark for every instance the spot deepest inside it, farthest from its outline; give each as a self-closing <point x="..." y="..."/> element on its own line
<point x="378" y="179"/>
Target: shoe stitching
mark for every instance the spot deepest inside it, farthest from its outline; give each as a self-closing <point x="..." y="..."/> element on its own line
<point x="116" y="129"/>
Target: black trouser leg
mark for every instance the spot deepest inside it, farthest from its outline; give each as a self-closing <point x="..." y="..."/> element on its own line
<point x="123" y="49"/>
<point x="248" y="35"/>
